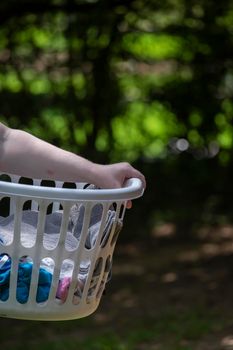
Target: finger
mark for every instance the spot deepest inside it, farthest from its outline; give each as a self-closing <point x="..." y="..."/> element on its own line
<point x="137" y="174"/>
<point x="129" y="204"/>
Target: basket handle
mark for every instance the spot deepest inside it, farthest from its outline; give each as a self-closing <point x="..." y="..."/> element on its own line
<point x="134" y="184"/>
<point x="132" y="189"/>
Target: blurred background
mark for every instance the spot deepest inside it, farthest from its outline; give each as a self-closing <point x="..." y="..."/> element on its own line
<point x="151" y="83"/>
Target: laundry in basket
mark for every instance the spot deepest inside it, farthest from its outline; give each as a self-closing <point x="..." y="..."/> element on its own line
<point x="51" y="237"/>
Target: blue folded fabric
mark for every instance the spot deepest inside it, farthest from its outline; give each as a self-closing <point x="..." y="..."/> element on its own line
<point x="23" y="282"/>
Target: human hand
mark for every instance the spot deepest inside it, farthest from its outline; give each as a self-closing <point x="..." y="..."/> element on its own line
<point x="114" y="176"/>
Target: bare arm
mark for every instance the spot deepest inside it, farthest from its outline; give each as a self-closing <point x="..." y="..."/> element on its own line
<point x="26" y="155"/>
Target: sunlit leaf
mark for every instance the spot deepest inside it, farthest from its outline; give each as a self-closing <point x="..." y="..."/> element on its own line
<point x="153" y="46"/>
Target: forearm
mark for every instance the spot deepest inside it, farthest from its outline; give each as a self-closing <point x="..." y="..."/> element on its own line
<point x="25" y="155"/>
<point x="29" y="156"/>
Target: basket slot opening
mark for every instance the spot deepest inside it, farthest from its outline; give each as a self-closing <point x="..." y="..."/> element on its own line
<point x="69" y="185"/>
<point x="54" y="206"/>
<point x="29" y="224"/>
<point x="5" y="177"/>
<point x="116" y="230"/>
<point x="108" y="264"/>
<point x="79" y="222"/>
<point x="52" y="227"/>
<point x="31" y="205"/>
<point x="27" y="205"/>
<point x="94" y="226"/>
<point x="25" y="265"/>
<point x="109" y="224"/>
<point x="80" y="282"/>
<point x="48" y="183"/>
<point x="5" y="206"/>
<point x="25" y="181"/>
<point x="5" y="273"/>
<point x="95" y="279"/>
<point x="107" y="271"/>
<point x="44" y="282"/>
<point x="65" y="279"/>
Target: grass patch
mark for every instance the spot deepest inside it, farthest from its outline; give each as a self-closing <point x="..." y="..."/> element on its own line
<point x="172" y="330"/>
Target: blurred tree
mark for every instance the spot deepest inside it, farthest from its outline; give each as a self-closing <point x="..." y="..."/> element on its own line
<point x="120" y="76"/>
<point x="135" y="80"/>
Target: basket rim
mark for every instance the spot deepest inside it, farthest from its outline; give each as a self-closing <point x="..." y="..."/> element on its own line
<point x="132" y="189"/>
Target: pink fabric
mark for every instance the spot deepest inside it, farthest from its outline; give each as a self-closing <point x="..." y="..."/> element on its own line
<point x="63" y="288"/>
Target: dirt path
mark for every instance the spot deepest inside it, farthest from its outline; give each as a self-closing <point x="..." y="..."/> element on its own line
<point x="181" y="291"/>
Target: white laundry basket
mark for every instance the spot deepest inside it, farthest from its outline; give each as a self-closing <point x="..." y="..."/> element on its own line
<point x="88" y="264"/>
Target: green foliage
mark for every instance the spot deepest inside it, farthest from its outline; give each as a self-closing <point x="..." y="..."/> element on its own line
<point x="124" y="79"/>
<point x="150" y="46"/>
<point x="145" y="129"/>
